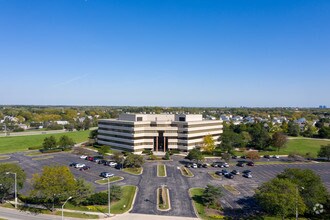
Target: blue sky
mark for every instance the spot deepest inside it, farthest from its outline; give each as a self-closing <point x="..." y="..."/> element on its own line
<point x="165" y="53"/>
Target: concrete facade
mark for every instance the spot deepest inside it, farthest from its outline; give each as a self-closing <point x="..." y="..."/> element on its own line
<point x="158" y="132"/>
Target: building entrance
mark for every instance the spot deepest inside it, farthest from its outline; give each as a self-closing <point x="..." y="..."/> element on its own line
<point x="161" y="142"/>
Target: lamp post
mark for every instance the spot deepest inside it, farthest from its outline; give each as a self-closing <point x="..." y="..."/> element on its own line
<point x="297" y="193"/>
<point x="64" y="205"/>
<point x="15" y="191"/>
<point x="109" y="195"/>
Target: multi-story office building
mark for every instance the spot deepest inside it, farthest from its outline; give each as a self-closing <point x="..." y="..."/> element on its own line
<point x="159" y="132"/>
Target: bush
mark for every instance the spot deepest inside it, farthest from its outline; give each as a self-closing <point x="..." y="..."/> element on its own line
<point x="34" y="148"/>
<point x="147" y="151"/>
<point x="167" y="156"/>
<point x="174" y="151"/>
<point x="153" y="157"/>
<point x="101" y="198"/>
<point x="51" y="150"/>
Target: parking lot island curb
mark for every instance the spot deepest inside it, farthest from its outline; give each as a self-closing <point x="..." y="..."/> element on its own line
<point x="133" y="202"/>
<point x="193" y="204"/>
<point x="165" y="171"/>
<point x="168" y="200"/>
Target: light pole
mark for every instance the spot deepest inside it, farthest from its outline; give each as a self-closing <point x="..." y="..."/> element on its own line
<point x="109" y="195"/>
<point x="64" y="205"/>
<point x="297" y="193"/>
<point x="15" y="191"/>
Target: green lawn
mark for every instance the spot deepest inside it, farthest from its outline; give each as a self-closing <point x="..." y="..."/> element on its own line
<point x="77" y="215"/>
<point x="195" y="194"/>
<point x="111" y="179"/>
<point x="134" y="171"/>
<point x="186" y="172"/>
<point x="118" y="207"/>
<point x="22" y="143"/>
<point x="161" y="170"/>
<point x="299" y="145"/>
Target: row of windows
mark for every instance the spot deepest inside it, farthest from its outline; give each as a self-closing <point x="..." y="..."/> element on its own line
<point x="131" y="138"/>
<point x="116" y="124"/>
<point x="201" y="125"/>
<point x="124" y="143"/>
<point x="197" y="137"/>
<point x="134" y="132"/>
<point x="198" y="131"/>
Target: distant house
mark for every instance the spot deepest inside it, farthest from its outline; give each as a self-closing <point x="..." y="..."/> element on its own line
<point x="62" y="122"/>
<point x="23" y="126"/>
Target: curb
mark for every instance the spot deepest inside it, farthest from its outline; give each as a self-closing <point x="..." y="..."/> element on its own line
<point x="164" y="170"/>
<point x="169" y="201"/>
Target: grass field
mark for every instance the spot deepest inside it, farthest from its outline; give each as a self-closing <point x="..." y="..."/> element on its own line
<point x="118" y="207"/>
<point x="299" y="145"/>
<point x="22" y="143"/>
<point x="111" y="180"/>
<point x="195" y="194"/>
<point x="161" y="170"/>
<point x="134" y="171"/>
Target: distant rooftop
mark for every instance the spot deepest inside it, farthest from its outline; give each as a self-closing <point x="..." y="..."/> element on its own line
<point x="160" y="117"/>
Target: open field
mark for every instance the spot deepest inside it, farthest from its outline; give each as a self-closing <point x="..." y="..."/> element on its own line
<point x="22" y="143"/>
<point x="298" y="145"/>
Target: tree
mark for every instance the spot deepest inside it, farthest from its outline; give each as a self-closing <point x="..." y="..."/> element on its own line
<point x="103" y="150"/>
<point x="260" y="137"/>
<point x="49" y="143"/>
<point x="82" y="192"/>
<point x="310" y="131"/>
<point x="313" y="189"/>
<point x="118" y="157"/>
<point x="65" y="142"/>
<point x="253" y="155"/>
<point x="208" y="144"/>
<point x="279" y="140"/>
<point x="195" y="154"/>
<point x="53" y="185"/>
<point x="134" y="160"/>
<point x="225" y="157"/>
<point x="230" y="140"/>
<point x="211" y="195"/>
<point x="278" y="197"/>
<point x="324" y="151"/>
<point x="293" y="129"/>
<point x="93" y="134"/>
<point x="167" y="156"/>
<point x="7" y="181"/>
<point x="324" y="132"/>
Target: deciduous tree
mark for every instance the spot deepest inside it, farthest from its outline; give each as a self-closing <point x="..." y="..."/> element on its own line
<point x="211" y="195"/>
<point x="208" y="144"/>
<point x="134" y="160"/>
<point x="195" y="154"/>
<point x="279" y="140"/>
<point x="324" y="151"/>
<point x="49" y="143"/>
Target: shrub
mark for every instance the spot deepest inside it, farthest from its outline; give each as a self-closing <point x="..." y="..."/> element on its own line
<point x="51" y="150"/>
<point x="101" y="198"/>
<point x="167" y="156"/>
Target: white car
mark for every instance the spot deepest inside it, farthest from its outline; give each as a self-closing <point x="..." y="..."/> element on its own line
<point x="83" y="157"/>
<point x="276" y="157"/>
<point x="112" y="164"/>
<point x="106" y="174"/>
<point x="80" y="165"/>
<point x="247" y="175"/>
<point x="225" y="165"/>
<point x="194" y="165"/>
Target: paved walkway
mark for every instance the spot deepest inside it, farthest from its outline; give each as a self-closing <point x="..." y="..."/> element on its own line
<point x="130" y="216"/>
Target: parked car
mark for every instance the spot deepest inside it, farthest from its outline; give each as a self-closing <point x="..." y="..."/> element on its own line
<point x="188" y="165"/>
<point x="267" y="156"/>
<point x="243" y="157"/>
<point x="218" y="173"/>
<point x="205" y="165"/>
<point x="73" y="164"/>
<point x="247" y="175"/>
<point x="250" y="164"/>
<point x="240" y="164"/>
<point x="83" y="156"/>
<point x="234" y="157"/>
<point x="89" y="158"/>
<point x="199" y="165"/>
<point x="224" y="172"/>
<point x="106" y="174"/>
<point x="247" y="171"/>
<point x="84" y="168"/>
<point x="229" y="176"/>
<point x="112" y="164"/>
<point x="194" y="165"/>
<point x="235" y="172"/>
<point x="225" y="165"/>
<point x="276" y="157"/>
<point x="79" y="165"/>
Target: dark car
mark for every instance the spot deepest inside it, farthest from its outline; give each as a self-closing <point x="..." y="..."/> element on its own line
<point x="247" y="175"/>
<point x="205" y="165"/>
<point x="250" y="164"/>
<point x="235" y="172"/>
<point x="188" y="165"/>
<point x="199" y="165"/>
<point x="234" y="157"/>
<point x="85" y="168"/>
<point x="102" y="162"/>
<point x="224" y="172"/>
<point x="247" y="171"/>
<point x="267" y="156"/>
<point x="229" y="176"/>
<point x="218" y="173"/>
<point x="243" y="157"/>
<point x="240" y="164"/>
<point x="73" y="164"/>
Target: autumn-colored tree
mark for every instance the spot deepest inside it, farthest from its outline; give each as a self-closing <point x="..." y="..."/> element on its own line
<point x="208" y="144"/>
<point x="279" y="140"/>
<point x="253" y="155"/>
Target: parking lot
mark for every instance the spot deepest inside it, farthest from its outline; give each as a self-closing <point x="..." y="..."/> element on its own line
<point x="178" y="185"/>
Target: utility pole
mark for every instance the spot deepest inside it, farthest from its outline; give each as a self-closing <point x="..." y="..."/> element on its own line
<point x="64" y="205"/>
<point x="109" y="195"/>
